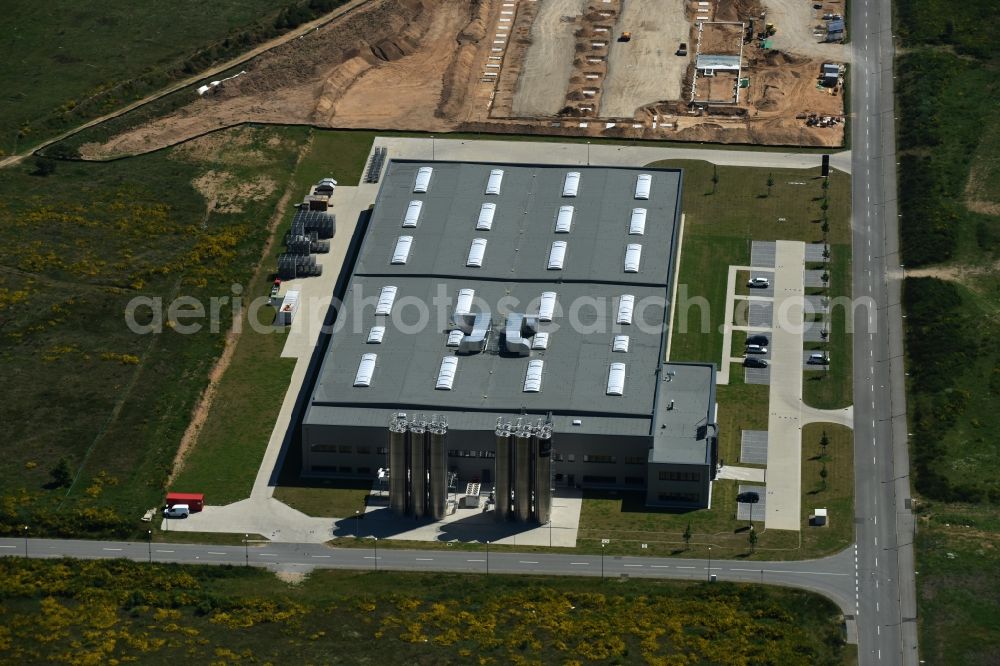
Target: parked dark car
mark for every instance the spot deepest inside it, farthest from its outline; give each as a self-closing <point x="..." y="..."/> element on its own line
<point x="758" y="339"/>
<point x="754" y="362"/>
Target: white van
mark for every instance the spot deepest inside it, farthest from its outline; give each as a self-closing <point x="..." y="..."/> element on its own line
<point x="177" y="511"/>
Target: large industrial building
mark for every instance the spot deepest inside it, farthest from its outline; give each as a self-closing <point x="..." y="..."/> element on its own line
<point x="486" y="297"/>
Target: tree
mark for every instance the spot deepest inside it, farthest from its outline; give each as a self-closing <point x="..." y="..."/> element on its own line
<point x="752" y="539"/>
<point x="826" y="225"/>
<point x="770" y="182"/>
<point x="824" y="442"/>
<point x="715" y="177"/>
<point x="43" y="167"/>
<point x="823" y="474"/>
<point x="687" y="536"/>
<point x="825" y="205"/>
<point x="62" y="475"/>
<point x="826" y="183"/>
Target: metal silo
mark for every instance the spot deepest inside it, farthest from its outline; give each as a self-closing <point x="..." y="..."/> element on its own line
<point x="437" y="495"/>
<point x="418" y="468"/>
<point x="398" y="466"/>
<point x="542" y="444"/>
<point x="502" y="472"/>
<point x="522" y="473"/>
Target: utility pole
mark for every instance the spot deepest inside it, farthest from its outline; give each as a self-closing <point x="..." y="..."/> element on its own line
<point x="25" y="540"/>
<point x="246" y="550"/>
<point x="709" y="577"/>
<point x="376" y="552"/>
<point x="149" y="534"/>
<point x="487" y="558"/>
<point x="602" y="561"/>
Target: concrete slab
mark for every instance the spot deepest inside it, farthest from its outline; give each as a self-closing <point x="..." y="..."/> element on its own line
<point x="816" y="304"/>
<point x="760" y="313"/>
<point x="814" y="252"/>
<point x="757" y="511"/>
<point x="813" y="331"/>
<point x="755" y="474"/>
<point x="814" y="278"/>
<point x="757" y="376"/>
<point x="753" y="447"/>
<point x="784" y="466"/>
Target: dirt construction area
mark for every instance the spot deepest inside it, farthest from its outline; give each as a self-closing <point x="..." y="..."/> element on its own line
<point x="523" y="66"/>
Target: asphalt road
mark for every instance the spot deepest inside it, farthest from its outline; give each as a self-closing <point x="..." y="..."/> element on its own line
<point x="831" y="576"/>
<point x="886" y="593"/>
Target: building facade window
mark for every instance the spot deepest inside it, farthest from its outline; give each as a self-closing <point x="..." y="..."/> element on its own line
<point x="345" y="448"/>
<point x="364" y="470"/>
<point x="678" y="497"/>
<point x="605" y="480"/>
<point x="571" y="457"/>
<point x="634" y="481"/>
<point x="382" y="451"/>
<point x="680" y="476"/>
<point x="364" y="449"/>
<point x="599" y="459"/>
<point x="635" y="460"/>
<point x="323" y="448"/>
<point x="345" y="470"/>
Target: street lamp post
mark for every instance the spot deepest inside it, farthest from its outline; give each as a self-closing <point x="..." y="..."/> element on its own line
<point x="376" y="552"/>
<point x="246" y="550"/>
<point x="25" y="540"/>
<point x="550" y="532"/>
<point x="588" y="153"/>
<point x="602" y="561"/>
<point x="709" y="576"/>
<point x="357" y="524"/>
<point x="149" y="535"/>
<point x="432" y="148"/>
<point x="487" y="558"/>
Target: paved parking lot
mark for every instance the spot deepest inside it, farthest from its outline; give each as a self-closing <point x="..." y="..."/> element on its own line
<point x="816" y="367"/>
<point x="759" y="314"/>
<point x="756" y="375"/>
<point x="814" y="252"/>
<point x="762" y="291"/>
<point x="762" y="253"/>
<point x="759" y="509"/>
<point x="753" y="447"/>
<point x="813" y="278"/>
<point x="813" y="331"/>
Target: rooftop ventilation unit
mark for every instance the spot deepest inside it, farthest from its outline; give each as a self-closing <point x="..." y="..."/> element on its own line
<point x="571" y="184"/>
<point x="642" y="185"/>
<point x="633" y="256"/>
<point x="412" y="214"/>
<point x="476" y="253"/>
<point x="446" y="375"/>
<point x="486" y="213"/>
<point x="625" y="305"/>
<point x="402" y="251"/>
<point x="423" y="180"/>
<point x="557" y="255"/>
<point x="564" y="219"/>
<point x="517" y="328"/>
<point x="637" y="225"/>
<point x="616" y="379"/>
<point x="493" y="184"/>
<point x="375" y="335"/>
<point x="463" y="304"/>
<point x="547" y="306"/>
<point x="455" y="338"/>
<point x="386" y="297"/>
<point x="620" y="344"/>
<point x="540" y="341"/>
<point x="476" y="330"/>
<point x="365" y="370"/>
<point x="533" y="378"/>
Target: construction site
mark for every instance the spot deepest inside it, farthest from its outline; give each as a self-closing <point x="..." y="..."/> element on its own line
<point x="724" y="71"/>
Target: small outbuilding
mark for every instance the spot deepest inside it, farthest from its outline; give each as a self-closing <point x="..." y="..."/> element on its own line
<point x="818" y="518"/>
<point x="196" y="501"/>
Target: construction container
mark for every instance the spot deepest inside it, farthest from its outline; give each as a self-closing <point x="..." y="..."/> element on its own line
<point x="196" y="501"/>
<point x="286" y="311"/>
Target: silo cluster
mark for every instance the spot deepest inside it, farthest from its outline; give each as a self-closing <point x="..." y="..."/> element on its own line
<point x="523" y="471"/>
<point x="418" y="466"/>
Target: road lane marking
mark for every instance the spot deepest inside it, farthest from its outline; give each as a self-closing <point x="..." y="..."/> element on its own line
<point x="268" y="555"/>
<point x="372" y="557"/>
<point x="111" y="549"/>
<point x="526" y="562"/>
<point x="685" y="567"/>
<point x="425" y="559"/>
<point x="475" y="560"/>
<point x="633" y="565"/>
<point x="214" y="552"/>
<point x="323" y="556"/>
<point x="9" y="546"/>
<point x="164" y="551"/>
<point x="579" y="564"/>
<point x="659" y="566"/>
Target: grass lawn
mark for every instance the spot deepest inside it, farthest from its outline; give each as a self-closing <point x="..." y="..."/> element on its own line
<point x="836" y="493"/>
<point x="111" y="402"/>
<point x="71" y="61"/>
<point x="228" y="452"/>
<point x="833" y="389"/>
<point x="338" y="498"/>
<point x="249" y="614"/>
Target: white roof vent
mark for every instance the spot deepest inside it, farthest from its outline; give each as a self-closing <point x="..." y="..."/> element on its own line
<point x="446" y="375"/>
<point x="633" y="256"/>
<point x="423" y="180"/>
<point x="476" y="253"/>
<point x="402" y="251"/>
<point x="571" y="184"/>
<point x="564" y="219"/>
<point x="493" y="184"/>
<point x="620" y="344"/>
<point x="486" y="213"/>
<point x="616" y="379"/>
<point x="557" y="255"/>
<point x="463" y="304"/>
<point x="540" y="340"/>
<point x="642" y="185"/>
<point x="547" y="306"/>
<point x="455" y="338"/>
<point x="412" y="214"/>
<point x="375" y="335"/>
<point x="533" y="378"/>
<point x="625" y="305"/>
<point x="386" y="297"/>
<point x="365" y="370"/>
<point x="637" y="225"/>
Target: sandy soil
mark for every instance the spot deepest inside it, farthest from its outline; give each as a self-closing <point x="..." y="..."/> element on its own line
<point x="645" y="70"/>
<point x="545" y="73"/>
<point x="721" y="39"/>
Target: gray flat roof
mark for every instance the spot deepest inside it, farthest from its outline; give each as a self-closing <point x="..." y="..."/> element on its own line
<point x="684" y="410"/>
<point x="511" y="279"/>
